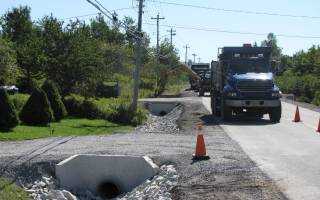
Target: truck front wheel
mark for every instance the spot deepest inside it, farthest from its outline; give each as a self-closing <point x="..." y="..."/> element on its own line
<point x="275" y="114"/>
<point x="201" y="92"/>
<point x="226" y="112"/>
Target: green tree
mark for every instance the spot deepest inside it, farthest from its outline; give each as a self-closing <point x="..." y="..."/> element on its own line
<point x="8" y="115"/>
<point x="58" y="108"/>
<point x="54" y="47"/>
<point x="17" y="24"/>
<point x="37" y="110"/>
<point x="272" y="42"/>
<point x="8" y="68"/>
<point x="18" y="27"/>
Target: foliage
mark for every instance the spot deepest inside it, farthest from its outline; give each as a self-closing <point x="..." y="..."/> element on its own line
<point x="316" y="99"/>
<point x="301" y="75"/>
<point x="9" y="190"/>
<point x="19" y="28"/>
<point x="19" y="100"/>
<point x="58" y="108"/>
<point x="73" y="103"/>
<point x="8" y="69"/>
<point x="8" y="116"/>
<point x="272" y="42"/>
<point x="80" y="58"/>
<point x="66" y="127"/>
<point x="113" y="109"/>
<point x="37" y="110"/>
<point x="107" y="90"/>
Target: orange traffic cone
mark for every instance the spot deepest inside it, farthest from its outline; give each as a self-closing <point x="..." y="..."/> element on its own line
<point x="318" y="130"/>
<point x="297" y="116"/>
<point x="200" y="153"/>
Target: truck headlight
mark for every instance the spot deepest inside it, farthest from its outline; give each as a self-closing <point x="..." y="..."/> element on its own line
<point x="232" y="94"/>
<point x="276" y="94"/>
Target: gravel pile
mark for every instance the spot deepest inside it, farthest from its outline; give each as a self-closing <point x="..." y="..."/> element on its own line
<point x="162" y="124"/>
<point x="157" y="188"/>
<point x="46" y="189"/>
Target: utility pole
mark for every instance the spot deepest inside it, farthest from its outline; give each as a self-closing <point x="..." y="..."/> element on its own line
<point x="138" y="52"/>
<point x="186" y="55"/>
<point x="194" y="57"/>
<point x="199" y="59"/>
<point x="158" y="18"/>
<point x="172" y="33"/>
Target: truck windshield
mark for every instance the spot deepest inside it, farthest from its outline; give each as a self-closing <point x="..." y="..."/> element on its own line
<point x="247" y="66"/>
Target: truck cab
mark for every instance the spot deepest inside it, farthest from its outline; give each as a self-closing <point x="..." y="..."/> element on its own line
<point x="242" y="83"/>
<point x="203" y="71"/>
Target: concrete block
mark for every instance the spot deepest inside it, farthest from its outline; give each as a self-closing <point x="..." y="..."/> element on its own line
<point x="88" y="172"/>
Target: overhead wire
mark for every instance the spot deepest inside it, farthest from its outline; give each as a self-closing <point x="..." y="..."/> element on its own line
<point x="236" y="10"/>
<point x="207" y="29"/>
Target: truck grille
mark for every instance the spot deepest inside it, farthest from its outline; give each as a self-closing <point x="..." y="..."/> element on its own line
<point x="254" y="86"/>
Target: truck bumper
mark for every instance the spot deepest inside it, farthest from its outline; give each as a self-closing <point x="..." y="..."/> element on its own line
<point x="253" y="103"/>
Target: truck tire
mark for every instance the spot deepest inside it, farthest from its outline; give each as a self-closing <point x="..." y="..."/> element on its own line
<point x="226" y="112"/>
<point x="201" y="92"/>
<point x="275" y="114"/>
<point x="216" y="110"/>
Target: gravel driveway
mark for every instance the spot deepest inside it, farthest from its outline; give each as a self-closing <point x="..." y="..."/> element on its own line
<point x="229" y="174"/>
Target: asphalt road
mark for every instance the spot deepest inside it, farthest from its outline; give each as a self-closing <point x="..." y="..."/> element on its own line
<point x="288" y="152"/>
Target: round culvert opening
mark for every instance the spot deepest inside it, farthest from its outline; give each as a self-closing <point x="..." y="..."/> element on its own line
<point x="108" y="190"/>
<point x="162" y="113"/>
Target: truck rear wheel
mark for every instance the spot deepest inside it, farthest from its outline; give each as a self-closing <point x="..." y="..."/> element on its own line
<point x="275" y="114"/>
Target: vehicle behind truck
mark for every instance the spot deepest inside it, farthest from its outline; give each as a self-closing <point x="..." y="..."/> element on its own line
<point x="203" y="84"/>
<point x="242" y="83"/>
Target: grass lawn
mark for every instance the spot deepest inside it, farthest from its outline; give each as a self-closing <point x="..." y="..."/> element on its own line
<point x="11" y="191"/>
<point x="67" y="127"/>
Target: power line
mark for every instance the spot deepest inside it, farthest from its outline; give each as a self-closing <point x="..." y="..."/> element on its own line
<point x="207" y="29"/>
<point x="114" y="18"/>
<point x="80" y="16"/>
<point x="237" y="11"/>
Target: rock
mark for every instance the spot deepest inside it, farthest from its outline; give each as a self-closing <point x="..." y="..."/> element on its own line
<point x="42" y="184"/>
<point x="56" y="195"/>
<point x="68" y="195"/>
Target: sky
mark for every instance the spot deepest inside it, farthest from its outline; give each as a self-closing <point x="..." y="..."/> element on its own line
<point x="202" y="43"/>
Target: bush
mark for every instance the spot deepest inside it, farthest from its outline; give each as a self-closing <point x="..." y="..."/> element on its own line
<point x="107" y="90"/>
<point x="8" y="115"/>
<point x="123" y="115"/>
<point x="37" y="110"/>
<point x="57" y="106"/>
<point x="25" y="86"/>
<point x="73" y="104"/>
<point x="19" y="100"/>
<point x="78" y="106"/>
<point x="112" y="109"/>
<point x="316" y="99"/>
<point x="90" y="110"/>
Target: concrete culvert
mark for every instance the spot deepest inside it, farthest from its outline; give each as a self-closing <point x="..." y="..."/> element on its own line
<point x="104" y="175"/>
<point x="160" y="108"/>
<point x="163" y="113"/>
<point x="108" y="190"/>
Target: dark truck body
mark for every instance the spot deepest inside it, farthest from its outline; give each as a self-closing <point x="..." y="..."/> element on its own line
<point x="203" y="84"/>
<point x="242" y="83"/>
